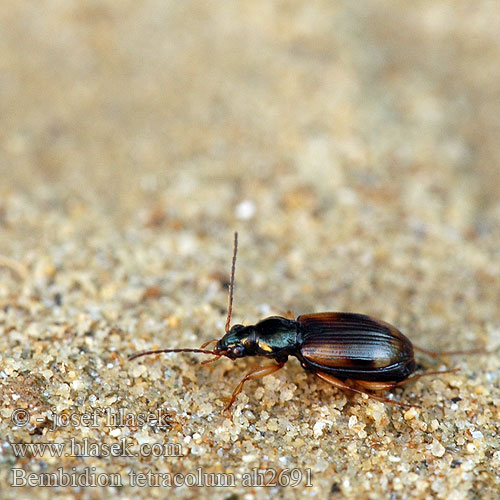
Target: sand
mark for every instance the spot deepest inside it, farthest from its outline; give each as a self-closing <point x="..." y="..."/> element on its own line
<point x="353" y="146"/>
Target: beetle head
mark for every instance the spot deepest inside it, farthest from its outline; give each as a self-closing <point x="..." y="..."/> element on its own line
<point x="237" y="342"/>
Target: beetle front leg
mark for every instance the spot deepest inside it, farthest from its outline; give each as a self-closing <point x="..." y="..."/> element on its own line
<point x="345" y="386"/>
<point x="259" y="372"/>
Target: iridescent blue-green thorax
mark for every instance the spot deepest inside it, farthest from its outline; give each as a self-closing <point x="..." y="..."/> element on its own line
<point x="274" y="337"/>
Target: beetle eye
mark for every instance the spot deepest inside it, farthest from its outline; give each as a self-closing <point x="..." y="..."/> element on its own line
<point x="238" y="351"/>
<point x="236" y="328"/>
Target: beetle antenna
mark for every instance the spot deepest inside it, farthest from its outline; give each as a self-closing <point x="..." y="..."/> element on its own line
<point x="159" y="351"/>
<point x="231" y="283"/>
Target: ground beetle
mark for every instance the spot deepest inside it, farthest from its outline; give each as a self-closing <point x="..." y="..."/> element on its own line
<point x="351" y="351"/>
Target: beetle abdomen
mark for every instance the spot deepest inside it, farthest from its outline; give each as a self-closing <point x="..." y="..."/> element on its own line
<point x="354" y="346"/>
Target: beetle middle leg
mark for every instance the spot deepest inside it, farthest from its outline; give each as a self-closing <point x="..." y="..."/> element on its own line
<point x="345" y="386"/>
<point x="258" y="372"/>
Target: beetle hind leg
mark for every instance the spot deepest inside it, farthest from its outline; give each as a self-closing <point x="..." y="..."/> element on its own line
<point x="382" y="386"/>
<point x="416" y="377"/>
<point x="348" y="387"/>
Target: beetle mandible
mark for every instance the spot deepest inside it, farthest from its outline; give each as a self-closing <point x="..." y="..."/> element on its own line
<point x="350" y="351"/>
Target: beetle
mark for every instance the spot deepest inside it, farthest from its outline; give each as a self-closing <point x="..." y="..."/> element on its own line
<point x="350" y="351"/>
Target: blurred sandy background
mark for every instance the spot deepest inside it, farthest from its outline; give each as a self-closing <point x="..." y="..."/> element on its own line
<point x="355" y="147"/>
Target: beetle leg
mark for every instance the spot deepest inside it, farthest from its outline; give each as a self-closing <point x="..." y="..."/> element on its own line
<point x="377" y="386"/>
<point x="343" y="385"/>
<point x="203" y="346"/>
<point x="434" y="354"/>
<point x="416" y="377"/>
<point x="258" y="372"/>
<point x="380" y="386"/>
